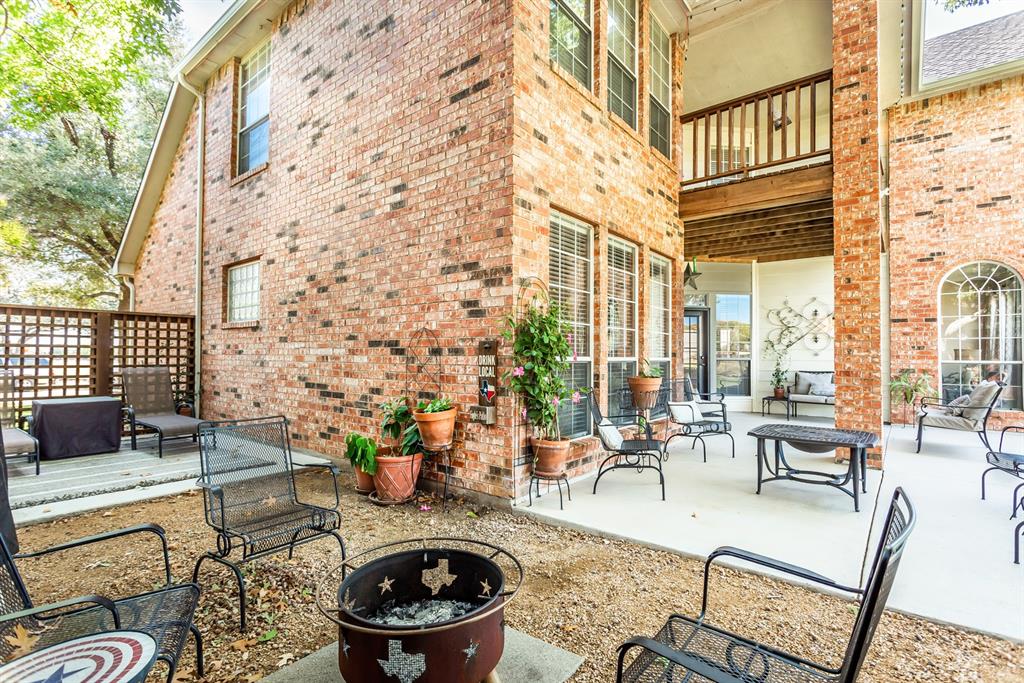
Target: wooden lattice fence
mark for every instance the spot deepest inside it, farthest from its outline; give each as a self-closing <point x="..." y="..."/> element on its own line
<point x="63" y="352"/>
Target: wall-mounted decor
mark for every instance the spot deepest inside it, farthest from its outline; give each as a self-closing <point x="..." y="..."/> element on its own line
<point x="811" y="325"/>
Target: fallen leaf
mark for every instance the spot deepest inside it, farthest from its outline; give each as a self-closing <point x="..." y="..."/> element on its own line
<point x="471" y="514"/>
<point x="22" y="640"/>
<point x="269" y="635"/>
<point x="286" y="659"/>
<point x="242" y="644"/>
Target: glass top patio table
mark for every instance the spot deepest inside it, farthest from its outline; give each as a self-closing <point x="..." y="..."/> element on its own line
<point x="114" y="656"/>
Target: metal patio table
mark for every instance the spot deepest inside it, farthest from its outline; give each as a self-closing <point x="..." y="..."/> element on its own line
<point x="814" y="440"/>
<point x="117" y="656"/>
<point x="68" y="427"/>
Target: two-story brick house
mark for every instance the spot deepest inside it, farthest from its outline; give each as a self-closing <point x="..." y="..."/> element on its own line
<point x="352" y="174"/>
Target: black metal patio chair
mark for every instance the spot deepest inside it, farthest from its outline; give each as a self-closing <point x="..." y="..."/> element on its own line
<point x="968" y="416"/>
<point x="688" y="649"/>
<point x="165" y="613"/>
<point x="635" y="454"/>
<point x="1013" y="464"/>
<point x="250" y="496"/>
<point x="693" y="415"/>
<point x="17" y="436"/>
<point x="149" y="402"/>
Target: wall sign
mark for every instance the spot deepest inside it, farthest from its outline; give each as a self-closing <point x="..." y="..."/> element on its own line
<point x="487" y="382"/>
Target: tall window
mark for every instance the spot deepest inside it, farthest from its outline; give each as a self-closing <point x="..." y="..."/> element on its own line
<point x="622" y="320"/>
<point x="661" y="89"/>
<point x="732" y="344"/>
<point x="571" y="37"/>
<point x="980" y="330"/>
<point x="622" y="59"/>
<point x="570" y="284"/>
<point x="243" y="295"/>
<point x="254" y="109"/>
<point x="659" y="315"/>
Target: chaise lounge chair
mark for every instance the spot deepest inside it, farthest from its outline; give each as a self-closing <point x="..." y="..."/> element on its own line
<point x="150" y="403"/>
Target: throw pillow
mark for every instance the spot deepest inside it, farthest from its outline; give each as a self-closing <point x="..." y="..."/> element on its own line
<point x="956" y="405"/>
<point x="610" y="434"/>
<point x="981" y="398"/>
<point x="821" y="385"/>
<point x="685" y="412"/>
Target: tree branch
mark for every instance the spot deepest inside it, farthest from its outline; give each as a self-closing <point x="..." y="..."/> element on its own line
<point x="71" y="131"/>
<point x="108" y="148"/>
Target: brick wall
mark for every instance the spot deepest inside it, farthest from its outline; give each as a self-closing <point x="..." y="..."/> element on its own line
<point x="381" y="211"/>
<point x="857" y="215"/>
<point x="956" y="196"/>
<point x="572" y="155"/>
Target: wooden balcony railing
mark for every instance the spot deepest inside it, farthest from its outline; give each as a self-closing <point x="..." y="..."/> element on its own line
<point x="787" y="123"/>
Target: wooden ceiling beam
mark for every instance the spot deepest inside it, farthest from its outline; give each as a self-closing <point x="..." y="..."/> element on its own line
<point x="763" y="230"/>
<point x="763" y="192"/>
<point x="802" y="209"/>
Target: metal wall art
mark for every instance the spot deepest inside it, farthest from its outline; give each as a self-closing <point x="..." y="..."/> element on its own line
<point x="812" y="325"/>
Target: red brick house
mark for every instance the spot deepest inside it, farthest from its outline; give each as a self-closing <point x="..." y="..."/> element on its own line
<point x="354" y="173"/>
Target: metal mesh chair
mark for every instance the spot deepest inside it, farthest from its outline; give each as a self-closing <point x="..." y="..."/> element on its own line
<point x="165" y="614"/>
<point x="16" y="439"/>
<point x="688" y="649"/>
<point x="250" y="497"/>
<point x="635" y="454"/>
<point x="713" y="421"/>
<point x="1012" y="464"/>
<point x="150" y="403"/>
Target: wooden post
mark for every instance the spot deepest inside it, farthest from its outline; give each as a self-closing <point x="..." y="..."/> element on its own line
<point x="104" y="380"/>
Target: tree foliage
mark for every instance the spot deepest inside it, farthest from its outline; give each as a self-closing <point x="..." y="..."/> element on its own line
<point x="954" y="5"/>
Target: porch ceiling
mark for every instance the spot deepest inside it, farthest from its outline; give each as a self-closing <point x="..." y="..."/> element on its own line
<point x="801" y="230"/>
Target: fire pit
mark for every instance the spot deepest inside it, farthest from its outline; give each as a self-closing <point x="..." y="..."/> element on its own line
<point x="424" y="611"/>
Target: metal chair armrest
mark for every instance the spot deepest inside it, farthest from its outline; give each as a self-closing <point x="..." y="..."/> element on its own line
<point x="97" y="600"/>
<point x="25" y="423"/>
<point x="770" y="563"/>
<point x="688" y="662"/>
<point x="107" y="536"/>
<point x="333" y="469"/>
<point x="1010" y="428"/>
<point x="709" y="394"/>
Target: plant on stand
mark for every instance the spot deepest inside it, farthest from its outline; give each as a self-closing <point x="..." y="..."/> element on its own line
<point x="778" y="354"/>
<point x="906" y="388"/>
<point x="361" y="451"/>
<point x="435" y="420"/>
<point x="541" y="349"/>
<point x="645" y="385"/>
<point x="398" y="463"/>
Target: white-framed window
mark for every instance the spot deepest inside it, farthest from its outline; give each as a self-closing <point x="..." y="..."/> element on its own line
<point x="571" y="287"/>
<point x="732" y="343"/>
<point x="243" y="292"/>
<point x="622" y="320"/>
<point x="254" y="109"/>
<point x="659" y="315"/>
<point x="980" y="309"/>
<point x="661" y="88"/>
<point x="622" y="59"/>
<point x="572" y="36"/>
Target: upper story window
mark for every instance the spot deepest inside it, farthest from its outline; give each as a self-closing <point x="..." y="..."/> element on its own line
<point x="570" y="284"/>
<point x="243" y="292"/>
<point x="571" y="37"/>
<point x="661" y="89"/>
<point x="254" y="109"/>
<point x="980" y="330"/>
<point x="622" y="59"/>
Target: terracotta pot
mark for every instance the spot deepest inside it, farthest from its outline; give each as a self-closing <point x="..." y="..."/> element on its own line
<point x="780" y="392"/>
<point x="644" y="390"/>
<point x="364" y="482"/>
<point x="184" y="409"/>
<point x="396" y="475"/>
<point x="436" y="429"/>
<point x="550" y="456"/>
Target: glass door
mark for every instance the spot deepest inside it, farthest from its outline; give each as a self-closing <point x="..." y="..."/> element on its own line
<point x="695" y="347"/>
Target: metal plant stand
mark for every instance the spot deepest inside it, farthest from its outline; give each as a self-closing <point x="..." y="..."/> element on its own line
<point x="557" y="478"/>
<point x="814" y="440"/>
<point x="447" y="452"/>
<point x="766" y="405"/>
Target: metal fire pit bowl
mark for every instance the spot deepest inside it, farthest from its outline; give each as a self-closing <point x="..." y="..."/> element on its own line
<point x="464" y="649"/>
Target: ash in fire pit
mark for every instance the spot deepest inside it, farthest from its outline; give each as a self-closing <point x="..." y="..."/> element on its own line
<point x="421" y="612"/>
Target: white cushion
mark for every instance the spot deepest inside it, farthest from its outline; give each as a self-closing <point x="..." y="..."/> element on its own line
<point x="821" y="385"/>
<point x="685" y="412"/>
<point x="610" y="434"/>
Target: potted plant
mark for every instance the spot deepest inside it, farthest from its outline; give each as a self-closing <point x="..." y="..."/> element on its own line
<point x="436" y="422"/>
<point x="779" y="372"/>
<point x="645" y="385"/>
<point x="541" y="349"/>
<point x="399" y="462"/>
<point x="361" y="451"/>
<point x="906" y="388"/>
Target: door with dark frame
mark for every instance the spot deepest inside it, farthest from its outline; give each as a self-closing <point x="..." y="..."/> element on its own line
<point x="695" y="347"/>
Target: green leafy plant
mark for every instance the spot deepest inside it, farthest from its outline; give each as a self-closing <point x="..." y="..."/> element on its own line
<point x="361" y="451"/>
<point x="906" y="388"/>
<point x="650" y="371"/>
<point x="398" y="426"/>
<point x="778" y="354"/>
<point x="541" y="350"/>
<point x="437" y="405"/>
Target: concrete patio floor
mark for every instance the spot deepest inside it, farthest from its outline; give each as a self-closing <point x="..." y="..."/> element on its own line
<point x="958" y="567"/>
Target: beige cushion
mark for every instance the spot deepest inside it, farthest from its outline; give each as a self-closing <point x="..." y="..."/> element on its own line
<point x="981" y="399"/>
<point x="811" y="398"/>
<point x="17" y="441"/>
<point x="947" y="421"/>
<point x="685" y="412"/>
<point x="803" y="380"/>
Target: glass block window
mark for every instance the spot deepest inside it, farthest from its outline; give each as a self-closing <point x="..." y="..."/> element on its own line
<point x="980" y="330"/>
<point x="661" y="89"/>
<point x="570" y="286"/>
<point x="622" y="59"/>
<point x="243" y="295"/>
<point x="571" y="36"/>
<point x="622" y="319"/>
<point x="254" y="109"/>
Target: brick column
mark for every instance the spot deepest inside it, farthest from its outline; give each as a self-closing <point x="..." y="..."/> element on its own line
<point x="856" y="193"/>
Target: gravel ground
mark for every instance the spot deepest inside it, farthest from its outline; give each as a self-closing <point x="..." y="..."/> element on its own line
<point x="583" y="593"/>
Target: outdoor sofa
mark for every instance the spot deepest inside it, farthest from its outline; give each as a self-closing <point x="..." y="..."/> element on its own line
<point x="812" y="387"/>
